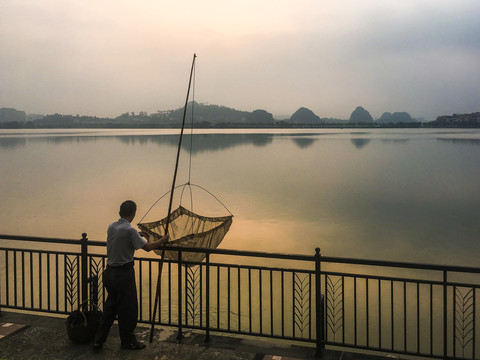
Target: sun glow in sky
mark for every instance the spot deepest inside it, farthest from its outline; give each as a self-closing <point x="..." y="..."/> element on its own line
<point x="104" y="58"/>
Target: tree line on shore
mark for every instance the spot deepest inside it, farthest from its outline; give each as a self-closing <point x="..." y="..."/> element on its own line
<point x="214" y="116"/>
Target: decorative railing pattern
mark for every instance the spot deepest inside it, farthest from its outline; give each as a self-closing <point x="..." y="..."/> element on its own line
<point x="335" y="311"/>
<point x="302" y="302"/>
<point x="464" y="320"/>
<point x="72" y="288"/>
<point x="400" y="308"/>
<point x="192" y="294"/>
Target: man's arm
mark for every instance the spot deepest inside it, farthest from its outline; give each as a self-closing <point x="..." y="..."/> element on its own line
<point x="149" y="246"/>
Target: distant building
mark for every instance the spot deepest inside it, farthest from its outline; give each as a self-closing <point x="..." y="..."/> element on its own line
<point x="12" y="115"/>
<point x="459" y="120"/>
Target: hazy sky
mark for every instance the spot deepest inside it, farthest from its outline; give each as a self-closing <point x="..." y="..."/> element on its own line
<point x="104" y="58"/>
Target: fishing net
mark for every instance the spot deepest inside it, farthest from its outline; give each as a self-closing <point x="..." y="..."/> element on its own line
<point x="187" y="229"/>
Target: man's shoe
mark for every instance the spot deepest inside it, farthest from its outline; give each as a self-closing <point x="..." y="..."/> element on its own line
<point x="136" y="345"/>
<point x="97" y="346"/>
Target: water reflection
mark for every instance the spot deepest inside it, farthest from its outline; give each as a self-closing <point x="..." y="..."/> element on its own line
<point x="360" y="143"/>
<point x="12" y="142"/>
<point x="303" y="142"/>
<point x="395" y="141"/>
<point x="475" y="142"/>
<point x="201" y="142"/>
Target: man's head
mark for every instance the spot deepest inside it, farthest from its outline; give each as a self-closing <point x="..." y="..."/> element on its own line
<point x="128" y="210"/>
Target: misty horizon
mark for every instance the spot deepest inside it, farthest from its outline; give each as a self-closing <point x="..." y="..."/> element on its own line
<point x="105" y="59"/>
<point x="277" y="117"/>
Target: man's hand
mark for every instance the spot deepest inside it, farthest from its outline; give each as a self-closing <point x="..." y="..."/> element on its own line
<point x="165" y="239"/>
<point x="157" y="243"/>
<point x="144" y="234"/>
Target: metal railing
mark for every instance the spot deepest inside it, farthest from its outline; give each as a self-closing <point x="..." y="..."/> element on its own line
<point x="394" y="307"/>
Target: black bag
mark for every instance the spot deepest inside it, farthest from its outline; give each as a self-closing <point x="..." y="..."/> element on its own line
<point x="82" y="326"/>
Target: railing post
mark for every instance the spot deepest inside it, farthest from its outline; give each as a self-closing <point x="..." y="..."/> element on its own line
<point x="6" y="274"/>
<point x="180" y="334"/>
<point x="445" y="314"/>
<point x="319" y="308"/>
<point x="84" y="276"/>
<point x="207" y="297"/>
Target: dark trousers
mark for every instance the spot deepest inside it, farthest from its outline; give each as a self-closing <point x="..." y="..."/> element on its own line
<point x="121" y="302"/>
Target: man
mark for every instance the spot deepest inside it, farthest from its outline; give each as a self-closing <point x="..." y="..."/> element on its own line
<point x="119" y="278"/>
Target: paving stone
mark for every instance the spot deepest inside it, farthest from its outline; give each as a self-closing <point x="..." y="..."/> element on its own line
<point x="45" y="338"/>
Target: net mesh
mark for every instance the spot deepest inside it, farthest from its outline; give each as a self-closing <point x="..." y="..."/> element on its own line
<point x="188" y="229"/>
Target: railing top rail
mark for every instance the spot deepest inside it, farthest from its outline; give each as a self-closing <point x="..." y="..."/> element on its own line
<point x="42" y="239"/>
<point x="168" y="248"/>
<point x="245" y="253"/>
<point x="41" y="251"/>
<point x="400" y="264"/>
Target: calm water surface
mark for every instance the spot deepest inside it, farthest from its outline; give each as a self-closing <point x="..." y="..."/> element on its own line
<point x="407" y="195"/>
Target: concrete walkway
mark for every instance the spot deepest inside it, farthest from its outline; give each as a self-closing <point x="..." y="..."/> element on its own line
<point x="45" y="337"/>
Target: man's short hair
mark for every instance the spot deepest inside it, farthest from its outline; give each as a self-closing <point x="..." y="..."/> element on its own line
<point x="128" y="208"/>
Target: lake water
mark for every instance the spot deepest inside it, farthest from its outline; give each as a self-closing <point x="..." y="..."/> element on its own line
<point x="406" y="195"/>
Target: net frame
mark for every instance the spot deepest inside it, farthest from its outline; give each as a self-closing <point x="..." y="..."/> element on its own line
<point x="188" y="229"/>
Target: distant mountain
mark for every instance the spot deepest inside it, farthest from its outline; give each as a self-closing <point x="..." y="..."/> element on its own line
<point x="69" y="121"/>
<point x="204" y="115"/>
<point x="215" y="116"/>
<point x="304" y="116"/>
<point x="260" y="116"/>
<point x="396" y="117"/>
<point x="360" y="115"/>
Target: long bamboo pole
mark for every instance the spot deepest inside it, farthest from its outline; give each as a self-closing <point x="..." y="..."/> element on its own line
<point x="157" y="292"/>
